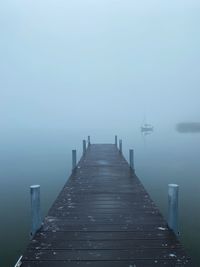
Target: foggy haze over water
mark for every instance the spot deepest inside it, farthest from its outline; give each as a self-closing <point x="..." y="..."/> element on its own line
<point x="91" y="63"/>
<point x="73" y="68"/>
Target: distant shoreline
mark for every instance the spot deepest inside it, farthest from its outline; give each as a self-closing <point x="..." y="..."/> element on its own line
<point x="188" y="127"/>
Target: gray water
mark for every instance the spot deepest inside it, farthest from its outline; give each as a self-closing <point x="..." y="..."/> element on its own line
<point x="73" y="68"/>
<point x="45" y="158"/>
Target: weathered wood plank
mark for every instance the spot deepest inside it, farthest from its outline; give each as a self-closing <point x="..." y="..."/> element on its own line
<point x="63" y="243"/>
<point x="104" y="254"/>
<point x="128" y="263"/>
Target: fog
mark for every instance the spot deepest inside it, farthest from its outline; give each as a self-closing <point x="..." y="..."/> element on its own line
<point x="69" y="69"/>
<point x="98" y="65"/>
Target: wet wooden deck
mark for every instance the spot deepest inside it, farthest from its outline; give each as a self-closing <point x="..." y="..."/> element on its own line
<point x="104" y="217"/>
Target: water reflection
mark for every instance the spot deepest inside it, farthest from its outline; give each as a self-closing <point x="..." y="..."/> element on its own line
<point x="147" y="129"/>
<point x="144" y="133"/>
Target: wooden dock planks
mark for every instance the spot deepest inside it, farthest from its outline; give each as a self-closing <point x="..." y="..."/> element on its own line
<point x="104" y="217"/>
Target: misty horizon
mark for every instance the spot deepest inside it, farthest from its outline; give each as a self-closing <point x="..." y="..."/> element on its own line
<point x="96" y="63"/>
<point x="70" y="69"/>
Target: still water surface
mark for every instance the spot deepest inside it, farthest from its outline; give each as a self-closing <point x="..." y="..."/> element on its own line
<point x="45" y="158"/>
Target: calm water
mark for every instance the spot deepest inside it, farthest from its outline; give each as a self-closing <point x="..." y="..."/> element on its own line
<point x="45" y="158"/>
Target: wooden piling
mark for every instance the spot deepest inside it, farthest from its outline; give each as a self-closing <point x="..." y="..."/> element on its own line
<point x="89" y="141"/>
<point x="35" y="209"/>
<point x="131" y="158"/>
<point x="73" y="159"/>
<point x="84" y="147"/>
<point x="116" y="140"/>
<point x="173" y="207"/>
<point x="120" y="146"/>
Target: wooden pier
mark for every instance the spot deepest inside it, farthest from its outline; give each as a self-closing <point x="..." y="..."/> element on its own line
<point x="104" y="217"/>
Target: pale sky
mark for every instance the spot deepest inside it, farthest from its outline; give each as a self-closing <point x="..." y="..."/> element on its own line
<point x="98" y="63"/>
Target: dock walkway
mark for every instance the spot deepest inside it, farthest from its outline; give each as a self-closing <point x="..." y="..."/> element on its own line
<point x="104" y="217"/>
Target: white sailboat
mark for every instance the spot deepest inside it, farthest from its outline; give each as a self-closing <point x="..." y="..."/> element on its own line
<point x="146" y="128"/>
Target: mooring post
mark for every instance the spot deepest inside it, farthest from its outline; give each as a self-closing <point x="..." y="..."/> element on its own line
<point x="36" y="221"/>
<point x="73" y="159"/>
<point x="131" y="158"/>
<point x="120" y="146"/>
<point x="173" y="207"/>
<point x="84" y="146"/>
<point x="89" y="141"/>
<point x="116" y="140"/>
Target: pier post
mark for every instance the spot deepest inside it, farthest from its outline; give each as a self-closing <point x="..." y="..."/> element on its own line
<point x="89" y="141"/>
<point x="84" y="146"/>
<point x="35" y="209"/>
<point x="120" y="146"/>
<point x="131" y="158"/>
<point x="116" y="140"/>
<point x="173" y="207"/>
<point x="73" y="159"/>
